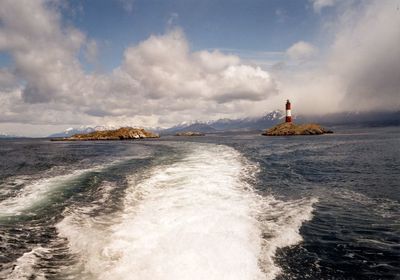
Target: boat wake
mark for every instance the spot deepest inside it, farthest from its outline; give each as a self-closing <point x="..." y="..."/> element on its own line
<point x="198" y="218"/>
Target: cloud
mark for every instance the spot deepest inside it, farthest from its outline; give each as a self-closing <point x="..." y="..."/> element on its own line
<point x="172" y="19"/>
<point x="365" y="56"/>
<point x="91" y="51"/>
<point x="160" y="81"/>
<point x="244" y="82"/>
<point x="127" y="5"/>
<point x="312" y="92"/>
<point x="301" y="51"/>
<point x="318" y="5"/>
<point x="281" y="15"/>
<point x="44" y="54"/>
<point x="164" y="68"/>
<point x="358" y="71"/>
<point x="8" y="79"/>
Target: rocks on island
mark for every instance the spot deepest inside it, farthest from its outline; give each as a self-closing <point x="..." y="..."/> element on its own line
<point x="123" y="133"/>
<point x="289" y="128"/>
<point x="190" y="133"/>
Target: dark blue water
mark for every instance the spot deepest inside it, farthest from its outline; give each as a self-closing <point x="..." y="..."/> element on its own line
<point x="355" y="231"/>
<point x="324" y="207"/>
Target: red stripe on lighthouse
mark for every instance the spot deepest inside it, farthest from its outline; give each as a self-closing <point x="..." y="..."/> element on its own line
<point x="288" y="111"/>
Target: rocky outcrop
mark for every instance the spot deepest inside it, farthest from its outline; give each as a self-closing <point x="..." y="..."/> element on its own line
<point x="285" y="129"/>
<point x="190" y="133"/>
<point x="123" y="133"/>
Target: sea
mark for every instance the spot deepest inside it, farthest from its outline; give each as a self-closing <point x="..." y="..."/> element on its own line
<point x="223" y="206"/>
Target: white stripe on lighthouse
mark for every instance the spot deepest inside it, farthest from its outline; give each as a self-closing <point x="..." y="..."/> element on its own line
<point x="288" y="113"/>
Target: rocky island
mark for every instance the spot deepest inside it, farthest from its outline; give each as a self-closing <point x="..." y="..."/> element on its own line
<point x="289" y="128"/>
<point x="123" y="133"/>
<point x="190" y="133"/>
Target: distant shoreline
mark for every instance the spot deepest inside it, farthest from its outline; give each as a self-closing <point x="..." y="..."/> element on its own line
<point x="123" y="133"/>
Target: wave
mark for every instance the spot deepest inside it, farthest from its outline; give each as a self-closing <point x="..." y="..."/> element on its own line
<point x="383" y="207"/>
<point x="24" y="267"/>
<point x="198" y="218"/>
<point x="38" y="192"/>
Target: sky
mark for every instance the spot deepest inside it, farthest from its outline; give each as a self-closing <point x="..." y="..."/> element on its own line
<point x="156" y="63"/>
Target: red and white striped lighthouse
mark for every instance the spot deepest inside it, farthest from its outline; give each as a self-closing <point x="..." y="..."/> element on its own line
<point x="288" y="112"/>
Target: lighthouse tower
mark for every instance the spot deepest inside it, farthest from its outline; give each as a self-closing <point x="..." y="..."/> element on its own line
<point x="288" y="112"/>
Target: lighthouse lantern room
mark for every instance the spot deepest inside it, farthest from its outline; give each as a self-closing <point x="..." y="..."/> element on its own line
<point x="288" y="112"/>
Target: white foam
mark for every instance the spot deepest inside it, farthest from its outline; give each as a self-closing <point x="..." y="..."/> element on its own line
<point x="39" y="190"/>
<point x="87" y="234"/>
<point x="34" y="193"/>
<point x="280" y="222"/>
<point x="25" y="266"/>
<point x="195" y="219"/>
<point x="384" y="207"/>
<point x="10" y="183"/>
<point x="194" y="222"/>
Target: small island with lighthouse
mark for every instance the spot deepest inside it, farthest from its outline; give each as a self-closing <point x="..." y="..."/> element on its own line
<point x="288" y="128"/>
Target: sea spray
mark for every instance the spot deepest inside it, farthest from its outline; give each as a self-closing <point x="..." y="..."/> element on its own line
<point x="40" y="192"/>
<point x="198" y="218"/>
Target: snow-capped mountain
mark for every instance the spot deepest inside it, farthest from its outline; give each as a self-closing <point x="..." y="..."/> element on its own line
<point x="72" y="131"/>
<point x="273" y="118"/>
<point x="189" y="126"/>
<point x="82" y="129"/>
<point x="225" y="124"/>
<point x="357" y="118"/>
<point x="250" y="124"/>
<point x="5" y="135"/>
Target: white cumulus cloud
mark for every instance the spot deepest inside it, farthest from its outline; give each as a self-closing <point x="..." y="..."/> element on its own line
<point x="301" y="51"/>
<point x="360" y="68"/>
<point x="160" y="81"/>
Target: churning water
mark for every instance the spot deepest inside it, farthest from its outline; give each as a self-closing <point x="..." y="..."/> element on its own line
<point x="220" y="207"/>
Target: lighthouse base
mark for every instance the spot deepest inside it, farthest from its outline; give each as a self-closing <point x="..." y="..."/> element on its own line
<point x="286" y="129"/>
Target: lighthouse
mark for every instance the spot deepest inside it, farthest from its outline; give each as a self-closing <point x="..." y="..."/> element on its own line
<point x="288" y="112"/>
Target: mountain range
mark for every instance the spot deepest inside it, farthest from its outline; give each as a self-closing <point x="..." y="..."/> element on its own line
<point x="261" y="123"/>
<point x="4" y="135"/>
<point x="81" y="130"/>
<point x="275" y="117"/>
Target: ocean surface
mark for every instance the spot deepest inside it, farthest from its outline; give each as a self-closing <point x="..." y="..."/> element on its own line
<point x="233" y="206"/>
